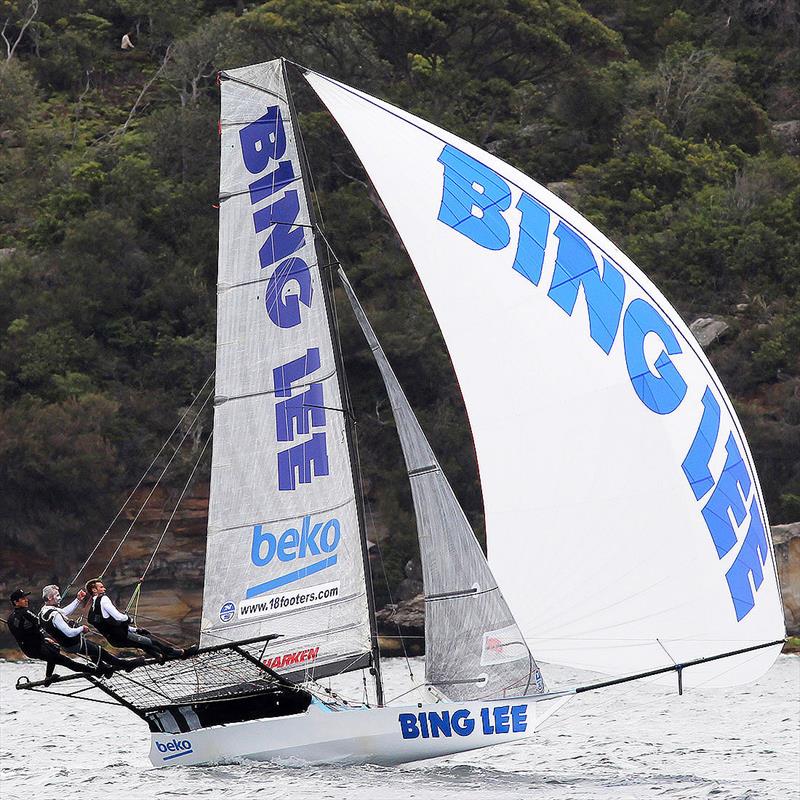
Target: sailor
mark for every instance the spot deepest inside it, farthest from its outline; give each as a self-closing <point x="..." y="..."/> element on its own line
<point x="117" y="628"/>
<point x="27" y="630"/>
<point x="69" y="634"/>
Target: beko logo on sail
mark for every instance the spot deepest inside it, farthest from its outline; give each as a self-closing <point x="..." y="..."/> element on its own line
<point x="302" y="451"/>
<point x="474" y="199"/>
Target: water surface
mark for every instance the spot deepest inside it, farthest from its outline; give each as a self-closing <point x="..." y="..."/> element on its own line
<point x="631" y="742"/>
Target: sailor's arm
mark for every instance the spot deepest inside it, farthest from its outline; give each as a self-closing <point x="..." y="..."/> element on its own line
<point x="65" y="627"/>
<point x="110" y="610"/>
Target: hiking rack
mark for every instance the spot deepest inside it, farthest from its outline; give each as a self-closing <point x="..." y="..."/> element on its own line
<point x="217" y="685"/>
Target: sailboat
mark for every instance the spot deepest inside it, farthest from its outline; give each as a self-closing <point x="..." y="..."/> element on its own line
<point x="626" y="529"/>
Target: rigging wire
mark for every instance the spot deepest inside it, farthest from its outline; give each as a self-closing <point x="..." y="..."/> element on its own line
<point x="139" y="483"/>
<point x="155" y="485"/>
<point x="137" y="590"/>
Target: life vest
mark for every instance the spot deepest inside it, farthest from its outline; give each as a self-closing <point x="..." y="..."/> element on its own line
<point x="112" y="629"/>
<point x="27" y="630"/>
<point x="46" y="617"/>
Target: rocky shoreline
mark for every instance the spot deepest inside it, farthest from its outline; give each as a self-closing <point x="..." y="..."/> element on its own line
<point x="171" y="598"/>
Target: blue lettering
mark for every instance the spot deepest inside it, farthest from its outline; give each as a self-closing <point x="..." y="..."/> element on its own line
<point x="749" y="560"/>
<point x="308" y="538"/>
<point x="729" y="494"/>
<point x="263" y="140"/>
<point x="302" y="462"/>
<point x="486" y="723"/>
<point x="303" y="409"/>
<point x="532" y="238"/>
<point x="519" y="718"/>
<point x="273" y="182"/>
<point x="330" y="543"/>
<point x="576" y="266"/>
<point x="283" y="241"/>
<point x="501" y="717"/>
<point x="283" y="377"/>
<point x="284" y="309"/>
<point x="408" y="726"/>
<point x="259" y="539"/>
<point x="423" y="725"/>
<point x="439" y="723"/>
<point x="662" y="393"/>
<point x="695" y="465"/>
<point x="287" y="544"/>
<point x="461" y="722"/>
<point x="473" y="198"/>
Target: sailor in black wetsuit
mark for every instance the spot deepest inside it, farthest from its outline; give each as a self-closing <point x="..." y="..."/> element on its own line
<point x="69" y="635"/>
<point x="117" y="628"/>
<point x="27" y="630"/>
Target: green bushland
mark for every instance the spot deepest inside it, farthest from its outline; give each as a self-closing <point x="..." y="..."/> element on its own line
<point x="654" y="120"/>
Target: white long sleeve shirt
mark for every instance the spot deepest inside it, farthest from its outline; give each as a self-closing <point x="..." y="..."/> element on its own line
<point x="60" y="618"/>
<point x="108" y="609"/>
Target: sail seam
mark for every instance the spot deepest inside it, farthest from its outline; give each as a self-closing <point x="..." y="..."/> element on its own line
<point x="227" y="77"/>
<point x="239" y="192"/>
<point x="283" y="519"/>
<point x="224" y="287"/>
<point x="221" y="399"/>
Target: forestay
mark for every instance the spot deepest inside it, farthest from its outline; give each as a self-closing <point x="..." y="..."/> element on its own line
<point x="473" y="647"/>
<point x="624" y="518"/>
<point x="284" y="551"/>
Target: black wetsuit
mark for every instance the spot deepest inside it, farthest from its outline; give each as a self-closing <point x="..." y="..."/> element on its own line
<point x="25" y="628"/>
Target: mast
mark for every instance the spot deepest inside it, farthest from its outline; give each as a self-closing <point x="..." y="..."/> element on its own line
<point x="344" y="391"/>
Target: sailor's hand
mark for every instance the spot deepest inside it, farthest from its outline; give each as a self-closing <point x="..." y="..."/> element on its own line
<point x="85" y="628"/>
<point x="81" y="594"/>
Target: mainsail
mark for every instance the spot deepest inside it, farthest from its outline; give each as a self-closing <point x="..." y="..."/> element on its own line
<point x="285" y="552"/>
<point x="473" y="647"/>
<point x="624" y="518"/>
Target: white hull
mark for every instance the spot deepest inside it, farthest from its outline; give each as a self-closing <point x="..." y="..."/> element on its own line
<point x="391" y="735"/>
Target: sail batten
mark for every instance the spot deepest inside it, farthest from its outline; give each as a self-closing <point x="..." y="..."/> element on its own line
<point x="284" y="552"/>
<point x="620" y="496"/>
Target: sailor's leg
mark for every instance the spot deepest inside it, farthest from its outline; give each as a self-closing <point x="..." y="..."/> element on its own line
<point x="153" y="645"/>
<point x="63" y="661"/>
<point x="100" y="656"/>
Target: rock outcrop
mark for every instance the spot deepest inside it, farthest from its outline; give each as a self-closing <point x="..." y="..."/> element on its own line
<point x="786" y="539"/>
<point x="708" y="330"/>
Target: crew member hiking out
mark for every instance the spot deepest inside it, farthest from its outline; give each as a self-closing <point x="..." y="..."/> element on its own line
<point x="27" y="630"/>
<point x="69" y="635"/>
<point x="119" y="631"/>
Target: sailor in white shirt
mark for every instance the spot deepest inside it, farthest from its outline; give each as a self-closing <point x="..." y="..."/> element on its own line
<point x="70" y="635"/>
<point x="119" y="630"/>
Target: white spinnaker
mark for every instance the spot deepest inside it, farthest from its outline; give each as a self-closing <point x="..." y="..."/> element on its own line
<point x="285" y="560"/>
<point x="594" y="533"/>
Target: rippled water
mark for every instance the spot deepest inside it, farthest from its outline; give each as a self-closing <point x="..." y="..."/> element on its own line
<point x="636" y="741"/>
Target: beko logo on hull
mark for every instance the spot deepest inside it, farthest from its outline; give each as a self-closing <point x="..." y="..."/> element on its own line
<point x="176" y="748"/>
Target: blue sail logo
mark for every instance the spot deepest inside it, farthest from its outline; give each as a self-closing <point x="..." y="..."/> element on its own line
<point x="293" y="545"/>
<point x="474" y="198"/>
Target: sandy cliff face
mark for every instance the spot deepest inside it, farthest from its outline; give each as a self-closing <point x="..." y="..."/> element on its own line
<point x="786" y="539"/>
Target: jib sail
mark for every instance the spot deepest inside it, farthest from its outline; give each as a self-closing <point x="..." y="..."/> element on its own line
<point x="473" y="647"/>
<point x="624" y="518"/>
<point x="284" y="552"/>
